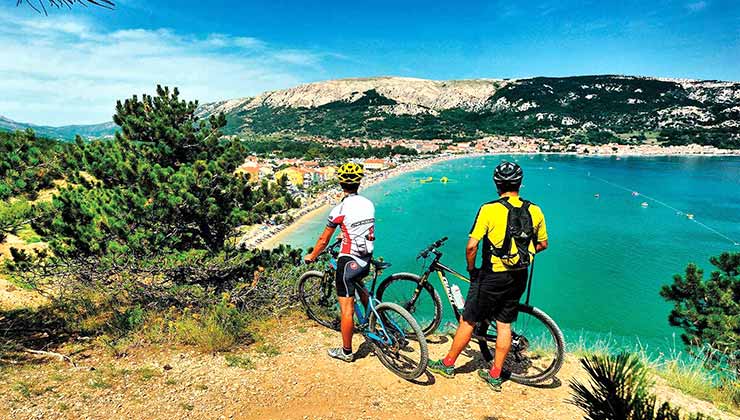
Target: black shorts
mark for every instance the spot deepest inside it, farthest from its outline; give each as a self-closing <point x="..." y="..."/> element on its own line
<point x="349" y="273"/>
<point x="495" y="296"/>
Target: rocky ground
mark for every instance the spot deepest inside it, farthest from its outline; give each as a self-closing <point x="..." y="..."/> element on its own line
<point x="285" y="375"/>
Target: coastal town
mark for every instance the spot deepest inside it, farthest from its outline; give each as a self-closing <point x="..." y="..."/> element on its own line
<point x="312" y="182"/>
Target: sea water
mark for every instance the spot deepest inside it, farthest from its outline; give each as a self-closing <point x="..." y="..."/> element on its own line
<point x="618" y="229"/>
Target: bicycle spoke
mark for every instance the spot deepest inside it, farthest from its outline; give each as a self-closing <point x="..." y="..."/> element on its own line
<point x="536" y="351"/>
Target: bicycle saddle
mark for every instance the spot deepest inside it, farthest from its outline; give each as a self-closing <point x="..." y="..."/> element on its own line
<point x="380" y="265"/>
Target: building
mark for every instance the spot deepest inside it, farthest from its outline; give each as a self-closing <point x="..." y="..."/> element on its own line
<point x="376" y="164"/>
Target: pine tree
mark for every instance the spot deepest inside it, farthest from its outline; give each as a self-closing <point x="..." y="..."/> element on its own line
<point x="708" y="310"/>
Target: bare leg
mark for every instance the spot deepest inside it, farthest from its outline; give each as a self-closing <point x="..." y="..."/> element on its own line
<point x="347" y="308"/>
<point x="462" y="338"/>
<point x="503" y="345"/>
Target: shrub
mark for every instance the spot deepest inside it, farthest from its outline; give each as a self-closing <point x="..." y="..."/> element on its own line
<point x="215" y="329"/>
<point x="619" y="389"/>
<point x="708" y="311"/>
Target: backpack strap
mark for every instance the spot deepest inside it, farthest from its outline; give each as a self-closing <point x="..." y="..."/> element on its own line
<point x="504" y="201"/>
<point x="506" y="244"/>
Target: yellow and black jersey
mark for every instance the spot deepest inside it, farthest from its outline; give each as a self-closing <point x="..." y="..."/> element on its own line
<point x="490" y="226"/>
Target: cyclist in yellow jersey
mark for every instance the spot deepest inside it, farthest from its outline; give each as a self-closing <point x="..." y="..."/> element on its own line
<point x="512" y="231"/>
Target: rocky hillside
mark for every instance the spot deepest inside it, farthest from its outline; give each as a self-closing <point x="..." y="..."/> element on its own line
<point x="550" y="107"/>
<point x="67" y="132"/>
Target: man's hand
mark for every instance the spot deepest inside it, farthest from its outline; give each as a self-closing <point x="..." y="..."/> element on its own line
<point x="473" y="273"/>
<point x="308" y="259"/>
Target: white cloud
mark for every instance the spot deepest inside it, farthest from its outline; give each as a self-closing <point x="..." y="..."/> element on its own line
<point x="697" y="6"/>
<point x="63" y="70"/>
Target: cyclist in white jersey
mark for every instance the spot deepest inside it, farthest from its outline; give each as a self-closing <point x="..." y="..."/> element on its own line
<point x="355" y="217"/>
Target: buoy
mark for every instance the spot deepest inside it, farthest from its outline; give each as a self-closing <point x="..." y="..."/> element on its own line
<point x="689" y="216"/>
<point x="444" y="180"/>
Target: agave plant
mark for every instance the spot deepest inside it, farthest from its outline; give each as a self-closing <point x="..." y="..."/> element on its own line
<point x="619" y="389"/>
<point x="40" y="5"/>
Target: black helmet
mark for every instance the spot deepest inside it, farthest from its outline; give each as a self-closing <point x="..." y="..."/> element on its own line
<point x="508" y="174"/>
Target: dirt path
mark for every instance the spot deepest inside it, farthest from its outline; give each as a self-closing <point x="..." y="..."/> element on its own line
<point x="287" y="376"/>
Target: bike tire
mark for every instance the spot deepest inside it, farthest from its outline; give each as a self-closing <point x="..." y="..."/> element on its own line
<point x="427" y="327"/>
<point x="387" y="354"/>
<point x="322" y="308"/>
<point x="487" y="344"/>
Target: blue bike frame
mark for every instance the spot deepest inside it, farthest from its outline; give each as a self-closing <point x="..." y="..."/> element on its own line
<point x="363" y="314"/>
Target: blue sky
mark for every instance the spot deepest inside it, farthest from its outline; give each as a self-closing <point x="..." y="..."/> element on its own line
<point x="71" y="66"/>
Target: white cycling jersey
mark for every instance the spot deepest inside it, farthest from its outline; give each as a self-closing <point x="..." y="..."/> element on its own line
<point x="355" y="216"/>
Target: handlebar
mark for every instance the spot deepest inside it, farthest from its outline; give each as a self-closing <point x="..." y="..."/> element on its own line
<point x="432" y="248"/>
<point x="332" y="249"/>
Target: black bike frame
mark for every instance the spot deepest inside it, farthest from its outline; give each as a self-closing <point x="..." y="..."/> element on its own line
<point x="441" y="269"/>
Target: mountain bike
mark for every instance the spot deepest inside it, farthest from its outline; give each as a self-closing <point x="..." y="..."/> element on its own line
<point x="393" y="333"/>
<point x="537" y="348"/>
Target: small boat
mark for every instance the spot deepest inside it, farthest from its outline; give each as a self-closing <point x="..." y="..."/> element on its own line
<point x="550" y="168"/>
<point x="690" y="216"/>
<point x="635" y="193"/>
<point x="644" y="204"/>
<point x="597" y="195"/>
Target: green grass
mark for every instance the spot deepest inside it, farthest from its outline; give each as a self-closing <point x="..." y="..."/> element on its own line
<point x="241" y="361"/>
<point x="27" y="234"/>
<point x="215" y="329"/>
<point x="692" y="378"/>
<point x="679" y="369"/>
<point x="267" y="349"/>
<point x="147" y="373"/>
<point x="23" y="389"/>
<point x="98" y="381"/>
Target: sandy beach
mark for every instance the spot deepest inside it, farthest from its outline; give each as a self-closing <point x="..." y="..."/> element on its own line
<point x="272" y="237"/>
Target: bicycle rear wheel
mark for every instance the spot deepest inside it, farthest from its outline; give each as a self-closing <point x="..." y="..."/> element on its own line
<point x="426" y="306"/>
<point x="319" y="299"/>
<point x="537" y="346"/>
<point x="403" y="356"/>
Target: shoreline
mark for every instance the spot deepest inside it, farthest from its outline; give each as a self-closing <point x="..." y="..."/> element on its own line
<point x="274" y="236"/>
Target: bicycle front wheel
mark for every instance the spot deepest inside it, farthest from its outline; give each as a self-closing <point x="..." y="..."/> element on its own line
<point x="319" y="299"/>
<point x="423" y="302"/>
<point x="387" y="332"/>
<point x="537" y="346"/>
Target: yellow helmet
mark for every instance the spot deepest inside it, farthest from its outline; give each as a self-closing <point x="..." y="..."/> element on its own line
<point x="350" y="173"/>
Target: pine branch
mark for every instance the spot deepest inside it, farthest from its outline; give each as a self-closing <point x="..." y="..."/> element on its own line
<point x="39" y="5"/>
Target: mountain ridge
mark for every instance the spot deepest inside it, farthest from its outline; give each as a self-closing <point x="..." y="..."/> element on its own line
<point x="704" y="111"/>
<point x="66" y="132"/>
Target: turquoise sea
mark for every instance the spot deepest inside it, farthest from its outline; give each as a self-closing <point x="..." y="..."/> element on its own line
<point x="608" y="256"/>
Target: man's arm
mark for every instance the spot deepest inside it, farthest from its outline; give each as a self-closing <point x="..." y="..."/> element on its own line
<point x="471" y="250"/>
<point x="321" y="243"/>
<point x="540" y="246"/>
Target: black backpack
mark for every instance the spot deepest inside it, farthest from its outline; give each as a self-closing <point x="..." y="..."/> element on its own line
<point x="520" y="229"/>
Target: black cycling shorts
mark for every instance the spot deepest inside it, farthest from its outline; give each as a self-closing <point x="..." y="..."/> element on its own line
<point x="349" y="272"/>
<point x="494" y="296"/>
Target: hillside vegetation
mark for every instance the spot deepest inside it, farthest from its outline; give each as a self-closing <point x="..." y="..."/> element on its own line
<point x="706" y="112"/>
